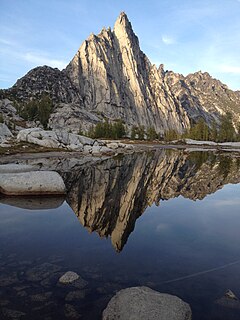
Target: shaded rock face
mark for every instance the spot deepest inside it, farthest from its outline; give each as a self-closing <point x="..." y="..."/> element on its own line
<point x="111" y="78"/>
<point x="45" y="79"/>
<point x="202" y="96"/>
<point x="109" y="196"/>
<point x="140" y="303"/>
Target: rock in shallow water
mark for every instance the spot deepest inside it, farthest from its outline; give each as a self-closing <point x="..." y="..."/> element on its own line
<point x="32" y="183"/>
<point x="143" y="303"/>
<point x="69" y="277"/>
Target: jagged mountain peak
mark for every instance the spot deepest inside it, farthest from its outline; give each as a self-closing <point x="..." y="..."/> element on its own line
<point x="111" y="78"/>
<point x="123" y="19"/>
<point x="123" y="27"/>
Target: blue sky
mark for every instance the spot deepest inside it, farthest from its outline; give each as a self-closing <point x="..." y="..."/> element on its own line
<point x="186" y="36"/>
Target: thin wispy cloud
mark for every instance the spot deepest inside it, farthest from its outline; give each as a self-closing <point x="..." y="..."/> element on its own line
<point x="168" y="40"/>
<point x="6" y="42"/>
<point x="229" y="69"/>
<point x="43" y="60"/>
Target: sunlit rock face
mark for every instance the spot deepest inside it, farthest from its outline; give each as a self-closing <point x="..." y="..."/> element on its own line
<point x="109" y="196"/>
<point x="111" y="78"/>
<point x="116" y="79"/>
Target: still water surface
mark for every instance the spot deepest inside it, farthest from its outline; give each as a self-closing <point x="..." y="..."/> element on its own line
<point x="167" y="220"/>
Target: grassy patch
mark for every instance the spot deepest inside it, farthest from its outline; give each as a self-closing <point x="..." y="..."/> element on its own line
<point x="25" y="147"/>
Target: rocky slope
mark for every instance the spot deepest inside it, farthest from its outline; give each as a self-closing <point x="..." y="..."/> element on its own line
<point x="111" y="78"/>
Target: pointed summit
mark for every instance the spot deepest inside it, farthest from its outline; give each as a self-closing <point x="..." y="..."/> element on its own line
<point x="122" y="19"/>
<point x="123" y="27"/>
<point x="122" y="22"/>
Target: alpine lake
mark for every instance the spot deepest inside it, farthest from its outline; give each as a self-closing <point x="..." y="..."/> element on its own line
<point x="167" y="219"/>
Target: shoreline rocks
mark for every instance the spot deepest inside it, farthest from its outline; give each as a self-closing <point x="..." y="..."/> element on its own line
<point x="141" y="303"/>
<point x="22" y="182"/>
<point x="60" y="139"/>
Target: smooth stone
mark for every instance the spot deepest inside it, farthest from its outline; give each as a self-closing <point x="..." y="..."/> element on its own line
<point x="68" y="277"/>
<point x="113" y="145"/>
<point x="32" y="183"/>
<point x="106" y="150"/>
<point x="141" y="303"/>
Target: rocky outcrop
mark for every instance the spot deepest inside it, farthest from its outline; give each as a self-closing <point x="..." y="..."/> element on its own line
<point x="111" y="78"/>
<point x="9" y="114"/>
<point x="141" y="303"/>
<point x="69" y="141"/>
<point x="45" y="80"/>
<point x="5" y="133"/>
<point x="73" y="118"/>
<point x="203" y="96"/>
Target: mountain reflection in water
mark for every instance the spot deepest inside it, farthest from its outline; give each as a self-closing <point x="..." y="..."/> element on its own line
<point x="184" y="247"/>
<point x="109" y="196"/>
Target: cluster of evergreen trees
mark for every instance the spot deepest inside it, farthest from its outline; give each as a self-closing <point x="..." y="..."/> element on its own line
<point x="108" y="130"/>
<point x="37" y="110"/>
<point x="117" y="130"/>
<point x="199" y="131"/>
<point x="222" y="133"/>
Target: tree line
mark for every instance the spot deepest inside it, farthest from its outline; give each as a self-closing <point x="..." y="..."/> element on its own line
<point x="221" y="132"/>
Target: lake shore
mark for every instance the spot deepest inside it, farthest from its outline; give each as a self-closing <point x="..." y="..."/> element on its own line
<point x="13" y="154"/>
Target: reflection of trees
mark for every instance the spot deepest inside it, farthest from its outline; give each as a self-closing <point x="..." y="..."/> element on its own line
<point x="225" y="165"/>
<point x="109" y="196"/>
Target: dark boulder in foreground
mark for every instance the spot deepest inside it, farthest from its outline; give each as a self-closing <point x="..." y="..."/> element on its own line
<point x="143" y="303"/>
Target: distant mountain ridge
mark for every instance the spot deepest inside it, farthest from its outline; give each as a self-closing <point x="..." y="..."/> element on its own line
<point x="111" y="78"/>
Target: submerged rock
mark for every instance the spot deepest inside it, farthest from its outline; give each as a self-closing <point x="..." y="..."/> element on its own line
<point x="41" y="272"/>
<point x="32" y="183"/>
<point x="229" y="294"/>
<point x="229" y="300"/>
<point x="68" y="277"/>
<point x="71" y="312"/>
<point x="141" y="303"/>
<point x="75" y="295"/>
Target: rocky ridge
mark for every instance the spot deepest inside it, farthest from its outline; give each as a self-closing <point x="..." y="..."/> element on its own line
<point x="111" y="78"/>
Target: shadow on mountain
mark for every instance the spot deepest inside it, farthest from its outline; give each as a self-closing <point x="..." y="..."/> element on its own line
<point x="109" y="196"/>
